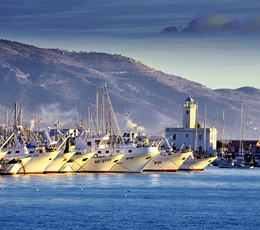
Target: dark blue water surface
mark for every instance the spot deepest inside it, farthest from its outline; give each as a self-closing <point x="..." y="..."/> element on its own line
<point x="212" y="199"/>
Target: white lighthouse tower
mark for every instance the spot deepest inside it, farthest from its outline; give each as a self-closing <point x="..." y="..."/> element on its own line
<point x="198" y="138"/>
<point x="189" y="113"/>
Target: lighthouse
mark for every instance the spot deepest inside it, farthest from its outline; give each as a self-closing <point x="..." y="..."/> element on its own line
<point x="190" y="136"/>
<point x="189" y="113"/>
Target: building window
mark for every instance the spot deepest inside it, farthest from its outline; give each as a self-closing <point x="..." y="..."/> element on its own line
<point x="174" y="136"/>
<point x="187" y="135"/>
<point x="200" y="137"/>
<point x="187" y="112"/>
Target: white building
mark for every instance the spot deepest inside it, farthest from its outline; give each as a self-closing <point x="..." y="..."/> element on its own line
<point x="192" y="136"/>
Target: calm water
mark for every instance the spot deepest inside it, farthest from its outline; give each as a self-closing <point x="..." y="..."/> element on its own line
<point x="213" y="199"/>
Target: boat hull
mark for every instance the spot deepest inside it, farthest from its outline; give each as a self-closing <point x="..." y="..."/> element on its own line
<point x="101" y="164"/>
<point x="135" y="159"/>
<point x="78" y="160"/>
<point x="167" y="162"/>
<point x="2" y="154"/>
<point x="59" y="164"/>
<point x="38" y="163"/>
<point x="12" y="169"/>
<point x="198" y="164"/>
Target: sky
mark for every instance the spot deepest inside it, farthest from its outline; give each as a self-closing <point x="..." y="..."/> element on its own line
<point x="212" y="42"/>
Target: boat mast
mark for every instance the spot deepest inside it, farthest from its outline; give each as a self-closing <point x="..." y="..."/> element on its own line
<point x="97" y="131"/>
<point x="205" y="150"/>
<point x="89" y="119"/>
<point x="241" y="128"/>
<point x="103" y="112"/>
<point x="113" y="116"/>
<point x="20" y="116"/>
<point x="196" y="128"/>
<point x="223" y="130"/>
<point x="6" y="129"/>
<point x="15" y="114"/>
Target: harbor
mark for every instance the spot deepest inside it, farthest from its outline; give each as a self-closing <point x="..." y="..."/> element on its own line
<point x="101" y="146"/>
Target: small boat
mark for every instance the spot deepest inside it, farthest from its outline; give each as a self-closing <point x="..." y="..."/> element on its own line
<point x="226" y="164"/>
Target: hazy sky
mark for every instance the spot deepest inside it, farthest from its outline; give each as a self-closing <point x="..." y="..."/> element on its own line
<point x="213" y="42"/>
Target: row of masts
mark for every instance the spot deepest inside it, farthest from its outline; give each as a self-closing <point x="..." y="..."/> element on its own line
<point x="18" y="119"/>
<point x="223" y="129"/>
<point x="103" y="114"/>
<point x="101" y="121"/>
<point x="241" y="129"/>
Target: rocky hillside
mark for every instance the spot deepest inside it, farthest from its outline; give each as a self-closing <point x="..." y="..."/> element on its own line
<point x="56" y="84"/>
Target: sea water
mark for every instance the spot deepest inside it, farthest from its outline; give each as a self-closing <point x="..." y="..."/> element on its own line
<point x="213" y="199"/>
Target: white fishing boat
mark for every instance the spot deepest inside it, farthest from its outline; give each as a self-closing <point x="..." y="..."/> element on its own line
<point x="109" y="143"/>
<point x="41" y="156"/>
<point x="115" y="157"/>
<point x="40" y="159"/>
<point x="197" y="164"/>
<point x="167" y="161"/>
<point x="78" y="160"/>
<point x="62" y="162"/>
<point x="13" y="158"/>
<point x="135" y="159"/>
<point x="103" y="158"/>
<point x="12" y="166"/>
<point x="100" y="163"/>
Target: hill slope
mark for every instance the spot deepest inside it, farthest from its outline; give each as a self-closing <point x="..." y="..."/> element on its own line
<point x="57" y="84"/>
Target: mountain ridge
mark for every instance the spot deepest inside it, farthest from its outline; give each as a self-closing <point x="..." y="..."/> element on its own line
<point x="59" y="83"/>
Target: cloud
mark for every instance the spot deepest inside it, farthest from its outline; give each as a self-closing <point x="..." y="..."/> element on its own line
<point x="170" y="29"/>
<point x="252" y="25"/>
<point x="206" y="24"/>
<point x="217" y="23"/>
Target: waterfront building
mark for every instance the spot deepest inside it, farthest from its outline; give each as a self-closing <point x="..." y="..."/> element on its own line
<point x="192" y="135"/>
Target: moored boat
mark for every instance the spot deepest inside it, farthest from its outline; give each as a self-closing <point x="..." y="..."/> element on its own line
<point x="12" y="166"/>
<point x="167" y="161"/>
<point x="61" y="163"/>
<point x="197" y="164"/>
<point x="225" y="164"/>
<point x="78" y="160"/>
<point x="119" y="157"/>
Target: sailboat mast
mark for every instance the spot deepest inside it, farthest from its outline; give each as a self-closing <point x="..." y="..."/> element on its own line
<point x="89" y="119"/>
<point x="241" y="127"/>
<point x="15" y="114"/>
<point x="196" y="128"/>
<point x="7" y="125"/>
<point x="20" y="120"/>
<point x="103" y="112"/>
<point x="205" y="129"/>
<point x="97" y="131"/>
<point x="223" y="130"/>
